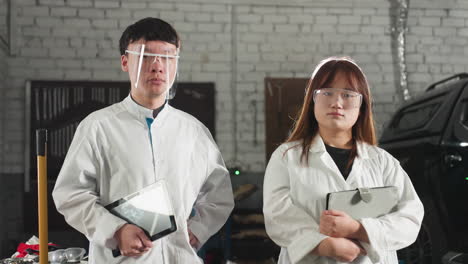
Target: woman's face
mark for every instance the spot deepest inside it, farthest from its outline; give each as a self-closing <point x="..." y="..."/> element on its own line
<point x="337" y="109"/>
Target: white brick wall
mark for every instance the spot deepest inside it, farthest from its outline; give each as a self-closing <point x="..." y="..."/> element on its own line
<point x="436" y="44"/>
<point x="60" y="39"/>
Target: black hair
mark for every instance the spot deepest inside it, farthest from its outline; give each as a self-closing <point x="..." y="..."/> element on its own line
<point x="149" y="28"/>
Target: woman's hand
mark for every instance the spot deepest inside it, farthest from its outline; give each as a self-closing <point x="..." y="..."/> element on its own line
<point x="337" y="224"/>
<point x="340" y="249"/>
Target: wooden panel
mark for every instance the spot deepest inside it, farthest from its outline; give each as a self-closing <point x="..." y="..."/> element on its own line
<point x="283" y="101"/>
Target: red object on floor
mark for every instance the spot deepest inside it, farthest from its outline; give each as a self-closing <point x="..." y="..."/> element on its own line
<point x="22" y="249"/>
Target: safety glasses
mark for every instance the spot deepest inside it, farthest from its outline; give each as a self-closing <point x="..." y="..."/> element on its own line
<point x="348" y="98"/>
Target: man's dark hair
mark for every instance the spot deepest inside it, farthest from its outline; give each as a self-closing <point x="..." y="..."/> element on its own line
<point x="149" y="28"/>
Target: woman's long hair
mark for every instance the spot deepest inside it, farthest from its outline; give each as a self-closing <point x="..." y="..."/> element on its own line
<point x="306" y="127"/>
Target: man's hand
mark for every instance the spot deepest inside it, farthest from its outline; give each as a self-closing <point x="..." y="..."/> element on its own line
<point x="336" y="223"/>
<point x="132" y="241"/>
<point x="340" y="249"/>
<point x="193" y="239"/>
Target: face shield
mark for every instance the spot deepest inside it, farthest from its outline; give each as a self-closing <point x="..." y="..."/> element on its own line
<point x="152" y="68"/>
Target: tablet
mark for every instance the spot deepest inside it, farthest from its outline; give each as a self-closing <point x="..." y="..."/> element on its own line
<point x="149" y="208"/>
<point x="364" y="202"/>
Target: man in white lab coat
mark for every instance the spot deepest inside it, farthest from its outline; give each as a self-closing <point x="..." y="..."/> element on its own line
<point x="123" y="148"/>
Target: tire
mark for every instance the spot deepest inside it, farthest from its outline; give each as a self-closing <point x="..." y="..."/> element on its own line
<point x="430" y="245"/>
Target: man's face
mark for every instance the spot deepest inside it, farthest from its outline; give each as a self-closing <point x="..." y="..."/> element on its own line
<point x="156" y="74"/>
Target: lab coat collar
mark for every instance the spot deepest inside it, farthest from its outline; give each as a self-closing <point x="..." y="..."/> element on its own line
<point x="363" y="149"/>
<point x="141" y="112"/>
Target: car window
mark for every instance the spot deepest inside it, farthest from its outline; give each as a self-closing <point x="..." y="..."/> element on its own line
<point x="464" y="116"/>
<point x="415" y="117"/>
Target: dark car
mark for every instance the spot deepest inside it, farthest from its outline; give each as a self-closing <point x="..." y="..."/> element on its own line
<point x="429" y="136"/>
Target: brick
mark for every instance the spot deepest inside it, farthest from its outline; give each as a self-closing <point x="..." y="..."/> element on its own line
<point x="98" y="63"/>
<point x="436" y="13"/>
<point x="172" y="15"/>
<point x="264" y="9"/>
<point x="52" y="2"/>
<point x="350" y="20"/>
<point x="248" y="18"/>
<point x="49" y="21"/>
<point x="380" y="20"/>
<point x="188" y="7"/>
<point x="214" y="8"/>
<point x="372" y="30"/>
<point x="429" y="21"/>
<point x="63" y="32"/>
<point x="431" y="40"/>
<point x="62" y="52"/>
<point x="63" y="11"/>
<point x="445" y="31"/>
<point x="301" y="19"/>
<point x="274" y="19"/>
<point x="131" y="5"/>
<point x="217" y="67"/>
<point x="415" y="58"/>
<point x="198" y="17"/>
<point x="35" y="11"/>
<point x="291" y="10"/>
<point x="87" y="53"/>
<point x="36" y="31"/>
<point x="69" y="64"/>
<point x="55" y="42"/>
<point x="220" y="18"/>
<point x="106" y="4"/>
<point x="315" y="10"/>
<point x="287" y="28"/>
<point x="261" y="28"/>
<point x="339" y="11"/>
<point x="25" y="2"/>
<point x="41" y="63"/>
<point x="24" y="21"/>
<point x="120" y="13"/>
<point x="364" y="11"/>
<point x="139" y="14"/>
<point x="419" y="30"/>
<point x="80" y="3"/>
<point x="104" y="23"/>
<point x="453" y="22"/>
<point x="209" y="27"/>
<point x="184" y="27"/>
<point x="456" y="41"/>
<point x="252" y="38"/>
<point x="21" y="72"/>
<point x="77" y="74"/>
<point x="458" y="13"/>
<point x="326" y="20"/>
<point x="106" y="74"/>
<point x="161" y="6"/>
<point x="91" y="13"/>
<point x="77" y="22"/>
<point x="347" y="28"/>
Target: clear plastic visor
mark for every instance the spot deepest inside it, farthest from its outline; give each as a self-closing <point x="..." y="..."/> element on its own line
<point x="155" y="66"/>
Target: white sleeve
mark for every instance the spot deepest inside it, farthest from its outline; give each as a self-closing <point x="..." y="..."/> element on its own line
<point x="398" y="229"/>
<point x="288" y="225"/>
<point x="76" y="192"/>
<point x="215" y="200"/>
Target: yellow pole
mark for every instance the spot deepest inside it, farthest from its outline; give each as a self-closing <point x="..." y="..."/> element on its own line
<point x="41" y="140"/>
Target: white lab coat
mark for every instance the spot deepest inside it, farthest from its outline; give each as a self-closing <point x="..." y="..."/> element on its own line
<point x="294" y="198"/>
<point x="114" y="154"/>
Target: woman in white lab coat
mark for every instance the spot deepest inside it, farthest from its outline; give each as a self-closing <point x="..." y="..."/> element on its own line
<point x="333" y="148"/>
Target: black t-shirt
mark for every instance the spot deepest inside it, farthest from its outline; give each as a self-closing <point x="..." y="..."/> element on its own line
<point x="340" y="157"/>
